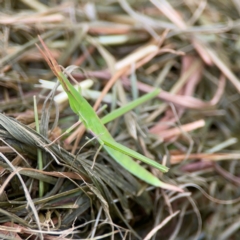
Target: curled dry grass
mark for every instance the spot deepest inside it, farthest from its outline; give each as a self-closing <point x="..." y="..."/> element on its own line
<point x="190" y="49"/>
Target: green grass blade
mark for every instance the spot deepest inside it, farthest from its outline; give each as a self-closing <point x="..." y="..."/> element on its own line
<point x="137" y="170"/>
<point x="92" y="122"/>
<point x="134" y="154"/>
<point x="122" y="110"/>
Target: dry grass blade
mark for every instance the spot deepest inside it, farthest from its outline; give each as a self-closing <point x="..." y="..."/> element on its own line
<point x="28" y="197"/>
<point x="82" y="168"/>
<point x="150" y="235"/>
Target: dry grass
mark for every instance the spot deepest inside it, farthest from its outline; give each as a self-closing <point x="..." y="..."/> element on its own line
<point x="190" y="49"/>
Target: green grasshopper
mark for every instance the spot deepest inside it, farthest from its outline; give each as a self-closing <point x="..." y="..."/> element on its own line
<point x="93" y="123"/>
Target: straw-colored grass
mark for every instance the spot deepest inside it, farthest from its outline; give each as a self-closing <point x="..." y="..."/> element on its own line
<point x="190" y="49"/>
